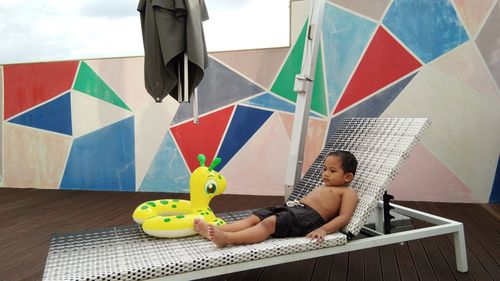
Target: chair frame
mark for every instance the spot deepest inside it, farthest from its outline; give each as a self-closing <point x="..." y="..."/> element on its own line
<point x="293" y="250"/>
<point x="441" y="226"/>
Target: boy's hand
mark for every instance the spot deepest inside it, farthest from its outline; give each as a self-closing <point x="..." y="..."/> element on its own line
<point x="318" y="234"/>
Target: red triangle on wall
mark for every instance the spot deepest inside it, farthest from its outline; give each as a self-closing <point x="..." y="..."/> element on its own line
<point x="384" y="62"/>
<point x="203" y="138"/>
<point x="28" y="85"/>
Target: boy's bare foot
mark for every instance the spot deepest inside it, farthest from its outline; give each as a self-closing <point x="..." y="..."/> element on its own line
<point x="201" y="227"/>
<point x="217" y="236"/>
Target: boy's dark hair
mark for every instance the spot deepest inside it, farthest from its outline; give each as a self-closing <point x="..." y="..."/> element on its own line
<point x="349" y="161"/>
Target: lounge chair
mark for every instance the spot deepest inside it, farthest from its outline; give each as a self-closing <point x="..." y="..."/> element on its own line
<point x="127" y="253"/>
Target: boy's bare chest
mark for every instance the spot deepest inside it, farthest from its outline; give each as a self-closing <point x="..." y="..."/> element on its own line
<point x="324" y="200"/>
<point x="327" y="194"/>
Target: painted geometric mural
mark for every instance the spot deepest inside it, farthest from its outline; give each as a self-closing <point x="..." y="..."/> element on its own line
<point x="28" y="85"/>
<point x="55" y="116"/>
<point x="1" y="124"/>
<point x="432" y="31"/>
<point x="168" y="172"/>
<point x="345" y="37"/>
<point x="220" y="87"/>
<point x="283" y="85"/>
<point x="103" y="159"/>
<point x="202" y="138"/>
<point x="91" y="125"/>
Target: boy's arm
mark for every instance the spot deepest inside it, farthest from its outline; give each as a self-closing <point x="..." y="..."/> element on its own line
<point x="347" y="206"/>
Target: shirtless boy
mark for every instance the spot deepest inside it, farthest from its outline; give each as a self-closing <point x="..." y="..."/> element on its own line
<point x="326" y="209"/>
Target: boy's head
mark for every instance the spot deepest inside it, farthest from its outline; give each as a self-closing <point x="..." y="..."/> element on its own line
<point x="339" y="168"/>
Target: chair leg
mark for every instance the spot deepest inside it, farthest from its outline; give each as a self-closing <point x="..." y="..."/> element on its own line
<point x="460" y="249"/>
<point x="379" y="219"/>
<point x="387" y="215"/>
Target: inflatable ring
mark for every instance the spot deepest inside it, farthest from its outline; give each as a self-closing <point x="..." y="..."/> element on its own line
<point x="169" y="218"/>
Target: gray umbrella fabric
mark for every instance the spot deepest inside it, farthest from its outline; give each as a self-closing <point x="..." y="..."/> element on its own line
<point x="171" y="28"/>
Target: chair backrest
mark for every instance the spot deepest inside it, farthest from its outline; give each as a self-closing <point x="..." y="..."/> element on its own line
<point x="380" y="145"/>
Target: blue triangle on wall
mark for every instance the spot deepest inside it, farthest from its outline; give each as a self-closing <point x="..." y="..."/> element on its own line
<point x="52" y="116"/>
<point x="168" y="172"/>
<point x="495" y="189"/>
<point x="103" y="160"/>
<point x="246" y="121"/>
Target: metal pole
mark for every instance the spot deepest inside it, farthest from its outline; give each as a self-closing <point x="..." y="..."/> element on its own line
<point x="186" y="78"/>
<point x="304" y="88"/>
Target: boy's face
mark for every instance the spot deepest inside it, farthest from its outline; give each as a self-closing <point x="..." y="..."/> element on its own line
<point x="333" y="174"/>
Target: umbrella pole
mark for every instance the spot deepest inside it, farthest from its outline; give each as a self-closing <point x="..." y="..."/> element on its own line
<point x="304" y="88"/>
<point x="179" y="83"/>
<point x="194" y="98"/>
<point x="186" y="87"/>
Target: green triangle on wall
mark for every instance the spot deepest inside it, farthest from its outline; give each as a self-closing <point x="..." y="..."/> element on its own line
<point x="89" y="82"/>
<point x="318" y="102"/>
<point x="283" y="85"/>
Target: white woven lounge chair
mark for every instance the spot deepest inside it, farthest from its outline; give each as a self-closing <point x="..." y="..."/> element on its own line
<point x="126" y="253"/>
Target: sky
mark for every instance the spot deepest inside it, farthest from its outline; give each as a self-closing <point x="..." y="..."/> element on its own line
<point x="51" y="30"/>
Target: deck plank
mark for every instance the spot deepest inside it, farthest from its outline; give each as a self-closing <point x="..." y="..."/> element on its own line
<point x="445" y="244"/>
<point x="390" y="270"/>
<point x="476" y="270"/>
<point x="405" y="263"/>
<point x="339" y="267"/>
<point x="438" y="262"/>
<point x="423" y="265"/>
<point x="356" y="268"/>
<point x="288" y="270"/>
<point x="373" y="269"/>
<point x="488" y="226"/>
<point x="271" y="273"/>
<point x="304" y="270"/>
<point x="322" y="269"/>
<point x="34" y="215"/>
<point x="456" y="212"/>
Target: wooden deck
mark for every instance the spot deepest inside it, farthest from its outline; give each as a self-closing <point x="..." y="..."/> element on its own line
<point x="30" y="216"/>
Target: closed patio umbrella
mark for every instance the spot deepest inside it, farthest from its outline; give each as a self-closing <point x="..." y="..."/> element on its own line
<point x="175" y="54"/>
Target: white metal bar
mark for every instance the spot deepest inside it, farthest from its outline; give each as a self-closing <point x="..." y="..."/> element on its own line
<point x="186" y="78"/>
<point x="353" y="245"/>
<point x="379" y="219"/>
<point x="458" y="236"/>
<point x="460" y="249"/>
<point x="420" y="215"/>
<point x="194" y="101"/>
<point x="304" y="87"/>
<point x="371" y="231"/>
<point x="179" y="83"/>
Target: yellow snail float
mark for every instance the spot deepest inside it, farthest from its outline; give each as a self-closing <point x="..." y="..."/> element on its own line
<point x="169" y="218"/>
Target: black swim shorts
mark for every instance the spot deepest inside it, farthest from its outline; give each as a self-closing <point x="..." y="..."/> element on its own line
<point x="292" y="221"/>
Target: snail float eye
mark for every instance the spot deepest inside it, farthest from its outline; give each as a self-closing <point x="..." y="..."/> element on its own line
<point x="210" y="186"/>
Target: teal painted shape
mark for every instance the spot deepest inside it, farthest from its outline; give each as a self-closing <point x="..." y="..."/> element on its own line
<point x="103" y="160"/>
<point x="345" y="36"/>
<point x="373" y="106"/>
<point x="269" y="100"/>
<point x="168" y="172"/>
<point x="312" y="114"/>
<point x="54" y="116"/>
<point x="428" y="28"/>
